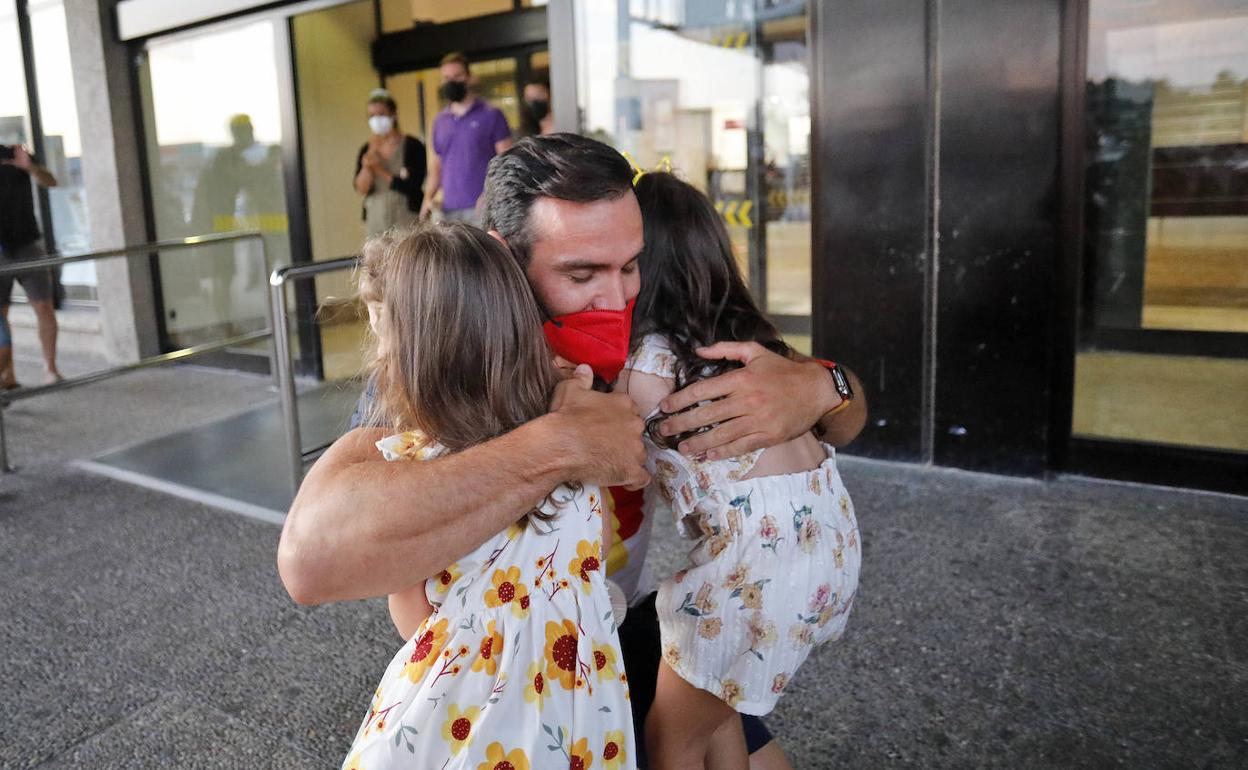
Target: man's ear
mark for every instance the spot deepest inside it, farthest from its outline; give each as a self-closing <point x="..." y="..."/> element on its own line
<point x="496" y="235"/>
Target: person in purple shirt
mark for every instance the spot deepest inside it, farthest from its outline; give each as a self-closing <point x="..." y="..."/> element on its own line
<point x="466" y="135"/>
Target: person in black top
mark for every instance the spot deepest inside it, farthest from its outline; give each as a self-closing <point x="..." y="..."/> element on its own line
<point x="536" y="118"/>
<point x="389" y="169"/>
<point x="21" y="240"/>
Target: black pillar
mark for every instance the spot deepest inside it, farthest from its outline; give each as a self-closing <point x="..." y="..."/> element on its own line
<point x="869" y="221"/>
<point x="936" y="145"/>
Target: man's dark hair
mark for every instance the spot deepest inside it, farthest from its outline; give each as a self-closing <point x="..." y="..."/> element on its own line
<point x="569" y="167"/>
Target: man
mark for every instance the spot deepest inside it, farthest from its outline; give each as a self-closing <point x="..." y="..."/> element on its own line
<point x="21" y="240"/>
<point x="466" y="136"/>
<point x="563" y="205"/>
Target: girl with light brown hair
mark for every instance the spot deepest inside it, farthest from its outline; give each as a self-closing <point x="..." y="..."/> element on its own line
<point x="512" y="653"/>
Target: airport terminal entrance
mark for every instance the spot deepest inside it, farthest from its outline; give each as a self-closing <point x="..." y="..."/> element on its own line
<point x="254" y="123"/>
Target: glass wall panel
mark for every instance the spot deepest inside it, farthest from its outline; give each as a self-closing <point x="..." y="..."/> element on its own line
<point x="786" y="176"/>
<point x="62" y="142"/>
<point x="417" y="94"/>
<point x="1166" y="254"/>
<point x="214" y="153"/>
<point x="722" y="90"/>
<point x="14" y="116"/>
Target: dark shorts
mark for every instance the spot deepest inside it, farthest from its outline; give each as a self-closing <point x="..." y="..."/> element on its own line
<point x="639" y="641"/>
<point x="38" y="284"/>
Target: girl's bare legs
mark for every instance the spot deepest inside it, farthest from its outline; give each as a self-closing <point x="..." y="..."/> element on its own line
<point x="685" y="721"/>
<point x="728" y="745"/>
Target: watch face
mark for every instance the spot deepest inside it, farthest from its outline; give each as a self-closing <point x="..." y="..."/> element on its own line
<point x="842" y="384"/>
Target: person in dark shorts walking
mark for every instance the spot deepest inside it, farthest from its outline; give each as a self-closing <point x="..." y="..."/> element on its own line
<point x="20" y="240"/>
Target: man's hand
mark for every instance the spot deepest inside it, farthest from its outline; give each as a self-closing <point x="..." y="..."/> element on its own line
<point x="768" y="402"/>
<point x="426" y="208"/>
<point x="21" y="159"/>
<point x="566" y="368"/>
<point x="602" y="432"/>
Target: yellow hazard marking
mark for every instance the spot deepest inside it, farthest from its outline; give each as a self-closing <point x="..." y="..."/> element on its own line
<point x="269" y="223"/>
<point x="778" y="199"/>
<point x="731" y="40"/>
<point x="736" y="213"/>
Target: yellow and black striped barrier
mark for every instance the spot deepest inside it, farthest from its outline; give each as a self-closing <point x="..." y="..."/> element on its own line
<point x="778" y="199"/>
<point x="736" y="213"/>
<point x="731" y="40"/>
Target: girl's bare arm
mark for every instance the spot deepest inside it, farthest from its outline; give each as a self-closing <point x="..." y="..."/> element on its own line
<point x="408" y="609"/>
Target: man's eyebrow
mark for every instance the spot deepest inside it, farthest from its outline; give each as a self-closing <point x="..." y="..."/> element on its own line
<point x="580" y="264"/>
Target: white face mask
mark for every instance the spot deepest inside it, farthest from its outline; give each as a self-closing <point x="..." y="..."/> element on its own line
<point x="381" y="124"/>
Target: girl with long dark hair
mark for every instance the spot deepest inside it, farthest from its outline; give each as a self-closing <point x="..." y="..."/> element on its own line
<point x="774" y="567"/>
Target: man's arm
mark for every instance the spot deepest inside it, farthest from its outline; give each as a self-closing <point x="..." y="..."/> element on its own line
<point x="362" y="527"/>
<point x="23" y="160"/>
<point x="501" y="134"/>
<point x="767" y="402"/>
<point x="433" y="183"/>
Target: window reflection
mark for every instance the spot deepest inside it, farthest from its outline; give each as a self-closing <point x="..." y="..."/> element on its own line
<point x="723" y="91"/>
<point x="1168" y="166"/>
<point x="13" y="103"/>
<point x="215" y="157"/>
<point x="62" y="141"/>
<point x="1166" y="242"/>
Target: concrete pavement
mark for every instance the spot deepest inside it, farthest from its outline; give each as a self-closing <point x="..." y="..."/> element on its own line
<point x="1000" y="621"/>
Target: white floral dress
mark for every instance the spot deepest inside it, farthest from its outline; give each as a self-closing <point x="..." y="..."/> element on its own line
<point x="519" y="665"/>
<point x="772" y="573"/>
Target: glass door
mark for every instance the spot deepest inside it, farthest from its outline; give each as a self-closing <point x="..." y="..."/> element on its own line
<point x="723" y="92"/>
<point x="213" y="124"/>
<point x="495" y="80"/>
<point x="1163" y="342"/>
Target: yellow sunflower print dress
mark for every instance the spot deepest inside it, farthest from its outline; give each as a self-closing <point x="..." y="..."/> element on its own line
<point x="519" y="665"/>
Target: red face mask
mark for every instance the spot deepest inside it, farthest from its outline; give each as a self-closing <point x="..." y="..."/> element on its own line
<point x="595" y="337"/>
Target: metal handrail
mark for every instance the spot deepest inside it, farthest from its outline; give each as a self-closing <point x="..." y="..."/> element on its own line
<point x="8" y="397"/>
<point x="283" y="363"/>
